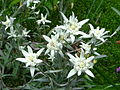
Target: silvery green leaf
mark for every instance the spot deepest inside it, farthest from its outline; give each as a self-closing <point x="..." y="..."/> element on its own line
<point x="41" y="80"/>
<point x="108" y="87"/>
<point x="101" y="56"/>
<point x="53" y="71"/>
<point x="116" y="10"/>
<point x="31" y="18"/>
<point x="118" y="29"/>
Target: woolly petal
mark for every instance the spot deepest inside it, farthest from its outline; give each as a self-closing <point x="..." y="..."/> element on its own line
<point x="47" y="38"/>
<point x="48" y="21"/>
<point x="72" y="38"/>
<point x="90" y="59"/>
<point x="82" y="54"/>
<point x="71" y="73"/>
<point x="39" y="21"/>
<point x="71" y="56"/>
<point x="38" y="61"/>
<point x="22" y="60"/>
<point x="47" y="51"/>
<point x="89" y="73"/>
<point x="52" y="53"/>
<point x="32" y="71"/>
<point x="29" y="49"/>
<point x="27" y="64"/>
<point x="91" y="27"/>
<point x="61" y="53"/>
<point x="79" y="72"/>
<point x="83" y="22"/>
<point x="25" y="53"/>
<point x="39" y="52"/>
<point x="64" y="17"/>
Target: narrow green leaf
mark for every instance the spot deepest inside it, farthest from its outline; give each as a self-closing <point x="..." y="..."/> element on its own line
<point x="53" y="71"/>
<point x="116" y="10"/>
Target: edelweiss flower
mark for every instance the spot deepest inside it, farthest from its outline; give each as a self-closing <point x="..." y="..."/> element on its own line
<point x="32" y="1"/>
<point x="43" y="20"/>
<point x="25" y="33"/>
<point x="72" y="25"/>
<point x="87" y="48"/>
<point x="81" y="64"/>
<point x="8" y="22"/>
<point x="63" y="36"/>
<point x="96" y="33"/>
<point x="53" y="45"/>
<point x="12" y="33"/>
<point x="31" y="59"/>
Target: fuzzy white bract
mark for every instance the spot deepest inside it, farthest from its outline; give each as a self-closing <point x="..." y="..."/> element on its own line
<point x="99" y="34"/>
<point x="62" y="34"/>
<point x="12" y="33"/>
<point x="72" y="25"/>
<point x="43" y="20"/>
<point x="31" y="59"/>
<point x="32" y="1"/>
<point x="53" y="45"/>
<point x="9" y="22"/>
<point x="81" y="64"/>
<point x="25" y="33"/>
<point x="87" y="47"/>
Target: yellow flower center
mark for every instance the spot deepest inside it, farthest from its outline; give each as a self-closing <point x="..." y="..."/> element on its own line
<point x="82" y="64"/>
<point x="43" y="18"/>
<point x="73" y="27"/>
<point x="52" y="44"/>
<point x="31" y="58"/>
<point x="62" y="37"/>
<point x="97" y="32"/>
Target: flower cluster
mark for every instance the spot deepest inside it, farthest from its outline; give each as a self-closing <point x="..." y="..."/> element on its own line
<point x="64" y="39"/>
<point x="70" y="33"/>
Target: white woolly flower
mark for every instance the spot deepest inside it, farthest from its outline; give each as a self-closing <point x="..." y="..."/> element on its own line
<point x="32" y="1"/>
<point x="72" y="25"/>
<point x="53" y="45"/>
<point x="31" y="59"/>
<point x="25" y="33"/>
<point x="63" y="36"/>
<point x="97" y="33"/>
<point x="8" y="22"/>
<point x="12" y="33"/>
<point x="43" y="19"/>
<point x="81" y="64"/>
<point x="87" y="48"/>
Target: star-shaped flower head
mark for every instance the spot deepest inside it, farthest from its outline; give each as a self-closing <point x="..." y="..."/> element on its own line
<point x="87" y="47"/>
<point x="81" y="64"/>
<point x="12" y="33"/>
<point x="53" y="45"/>
<point x="25" y="33"/>
<point x="63" y="36"/>
<point x="97" y="33"/>
<point x="72" y="25"/>
<point x="43" y="20"/>
<point x="9" y="22"/>
<point x="31" y="59"/>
